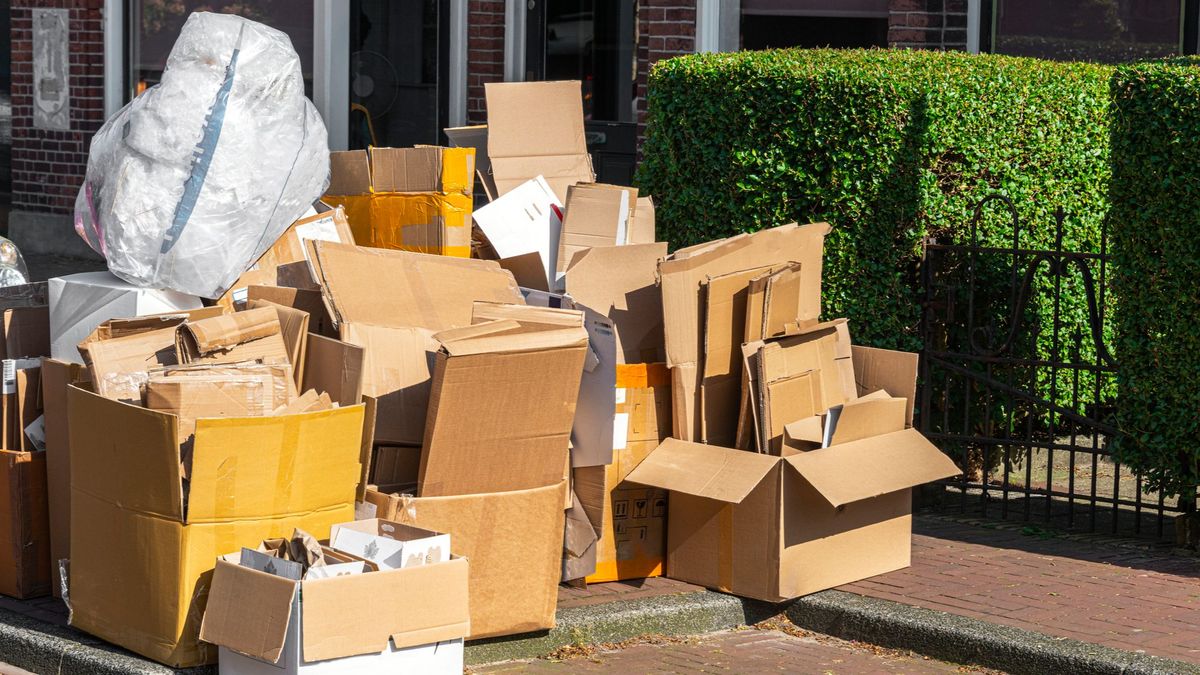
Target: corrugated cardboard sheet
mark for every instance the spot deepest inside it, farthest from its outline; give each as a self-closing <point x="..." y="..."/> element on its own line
<point x="554" y="146"/>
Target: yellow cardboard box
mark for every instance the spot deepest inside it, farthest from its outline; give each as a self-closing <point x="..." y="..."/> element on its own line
<point x="413" y="199"/>
<point x="143" y="546"/>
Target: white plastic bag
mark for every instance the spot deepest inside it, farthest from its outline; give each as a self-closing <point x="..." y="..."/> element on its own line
<point x="189" y="183"/>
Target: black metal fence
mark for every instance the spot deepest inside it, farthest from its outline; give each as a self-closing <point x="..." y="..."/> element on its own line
<point x="1018" y="384"/>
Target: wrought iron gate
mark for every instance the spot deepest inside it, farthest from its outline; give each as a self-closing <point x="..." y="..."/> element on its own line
<point x="1017" y="384"/>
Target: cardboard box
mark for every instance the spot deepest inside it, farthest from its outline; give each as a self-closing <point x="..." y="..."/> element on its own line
<point x="408" y="290"/>
<point x="269" y="624"/>
<point x="289" y="249"/>
<point x="621" y="282"/>
<point x="412" y="199"/>
<point x="872" y="415"/>
<point x="334" y="367"/>
<point x="396" y="467"/>
<point x="631" y="519"/>
<point x="80" y="302"/>
<point x="502" y="404"/>
<point x="513" y="541"/>
<point x="56" y="376"/>
<point x="683" y="301"/>
<point x="397" y="371"/>
<point x="775" y="528"/>
<point x="595" y="214"/>
<point x="24" y="525"/>
<point x="142" y="549"/>
<point x="536" y="129"/>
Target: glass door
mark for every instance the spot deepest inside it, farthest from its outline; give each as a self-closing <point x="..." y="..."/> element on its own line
<point x="398" y="72"/>
<point x="593" y="41"/>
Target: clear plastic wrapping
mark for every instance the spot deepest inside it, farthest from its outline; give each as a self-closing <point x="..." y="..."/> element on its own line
<point x="193" y="180"/>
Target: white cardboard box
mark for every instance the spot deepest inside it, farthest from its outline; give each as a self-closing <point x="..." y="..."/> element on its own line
<point x="80" y="302"/>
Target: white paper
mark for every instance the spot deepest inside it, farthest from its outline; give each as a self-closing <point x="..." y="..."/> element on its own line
<point x="324" y="229"/>
<point x="523" y="220"/>
<point x="387" y="553"/>
<point x="10" y="368"/>
<point x="335" y="570"/>
<point x="620" y="395"/>
<point x="620" y="431"/>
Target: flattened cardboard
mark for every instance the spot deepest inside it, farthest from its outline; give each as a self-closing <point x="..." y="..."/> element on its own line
<point x="80" y="302"/>
<point x="56" y="376"/>
<point x="621" y="282"/>
<point x="787" y="400"/>
<point x="398" y="288"/>
<point x="334" y="367"/>
<point x="595" y="214"/>
<point x="642" y="229"/>
<point x="294" y="326"/>
<point x="892" y="371"/>
<point x="118" y="367"/>
<point x="526" y="219"/>
<point x="724" y="323"/>
<point x="127" y="500"/>
<point x="821" y="347"/>
<point x="282" y="390"/>
<point x="555" y="147"/>
<point x="513" y="541"/>
<point x="527" y="269"/>
<point x="254" y="334"/>
<point x="502" y="405"/>
<point x="24" y="532"/>
<point x="579" y="543"/>
<point x="773" y="528"/>
<point x="397" y="367"/>
<point x="682" y="301"/>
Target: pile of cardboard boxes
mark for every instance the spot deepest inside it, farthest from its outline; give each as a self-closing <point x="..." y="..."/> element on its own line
<point x="439" y="415"/>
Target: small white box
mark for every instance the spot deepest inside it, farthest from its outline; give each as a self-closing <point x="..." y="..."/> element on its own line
<point x="80" y="302"/>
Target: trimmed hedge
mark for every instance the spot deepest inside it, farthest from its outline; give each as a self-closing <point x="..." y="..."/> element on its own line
<point x="889" y="146"/>
<point x="1155" y="232"/>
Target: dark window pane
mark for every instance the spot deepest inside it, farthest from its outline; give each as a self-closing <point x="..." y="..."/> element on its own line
<point x="765" y="31"/>
<point x="1103" y="31"/>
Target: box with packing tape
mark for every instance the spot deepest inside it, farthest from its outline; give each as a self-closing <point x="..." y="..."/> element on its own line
<point x="413" y="199"/>
<point x="297" y="606"/>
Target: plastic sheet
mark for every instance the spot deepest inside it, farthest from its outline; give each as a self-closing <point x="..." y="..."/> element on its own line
<point x="193" y="180"/>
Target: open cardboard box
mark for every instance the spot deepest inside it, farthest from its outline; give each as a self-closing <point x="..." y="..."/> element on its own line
<point x="412" y="199"/>
<point x="775" y="528"/>
<point x="143" y="546"/>
<point x="267" y="624"/>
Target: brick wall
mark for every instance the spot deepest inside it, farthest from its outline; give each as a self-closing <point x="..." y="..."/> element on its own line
<point x="666" y="28"/>
<point x="48" y="166"/>
<point x="928" y="24"/>
<point x="485" y="55"/>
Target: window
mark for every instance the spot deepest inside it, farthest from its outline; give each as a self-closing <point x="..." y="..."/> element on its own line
<point x="153" y="26"/>
<point x="1103" y="31"/>
<point x="772" y="24"/>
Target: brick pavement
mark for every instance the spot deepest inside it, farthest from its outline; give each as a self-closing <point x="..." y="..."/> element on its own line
<point x="1119" y="597"/>
<point x="746" y="651"/>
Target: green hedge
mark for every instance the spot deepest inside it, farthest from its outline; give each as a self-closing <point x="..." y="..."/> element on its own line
<point x="889" y="146"/>
<point x="1155" y="232"/>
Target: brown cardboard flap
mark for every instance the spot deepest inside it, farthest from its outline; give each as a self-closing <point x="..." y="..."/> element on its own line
<point x="527" y="270"/>
<point x="346" y="616"/>
<point x="124" y="454"/>
<point x="349" y="173"/>
<point x="708" y="471"/>
<point x="406" y="169"/>
<point x="226" y="480"/>
<point x="894" y="372"/>
<point x="534" y="119"/>
<point x="334" y="367"/>
<point x="873" y="466"/>
<point x="641" y="230"/>
<point x="596" y="215"/>
<point x="397" y="364"/>
<point x="867" y="418"/>
<point x="304" y="300"/>
<point x="808" y="430"/>
<point x="293" y="325"/>
<point x="507" y="335"/>
<point x="248" y="611"/>
<point x="118" y="366"/>
<point x="784" y="301"/>
<point x="621" y="283"/>
<point x="398" y="288"/>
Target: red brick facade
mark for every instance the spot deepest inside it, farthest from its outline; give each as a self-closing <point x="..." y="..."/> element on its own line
<point x="48" y="166"/>
<point x="928" y="24"/>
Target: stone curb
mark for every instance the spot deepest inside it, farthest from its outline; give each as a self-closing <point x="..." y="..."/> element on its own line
<point x="42" y="648"/>
<point x="960" y="639"/>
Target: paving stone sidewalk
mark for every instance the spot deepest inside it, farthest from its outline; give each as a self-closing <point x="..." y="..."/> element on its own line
<point x="745" y="651"/>
<point x="1123" y="598"/>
